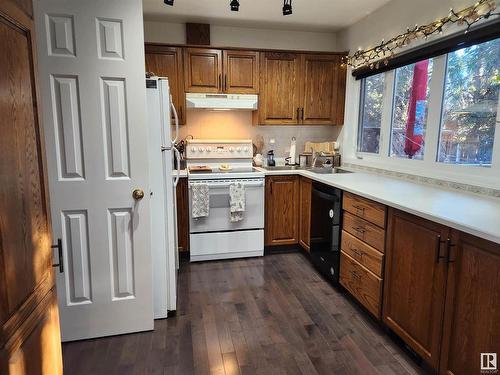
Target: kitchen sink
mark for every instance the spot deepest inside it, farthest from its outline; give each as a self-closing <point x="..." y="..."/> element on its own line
<point x="328" y="170"/>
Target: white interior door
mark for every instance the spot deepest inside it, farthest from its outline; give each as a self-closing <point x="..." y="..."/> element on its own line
<point x="91" y="66"/>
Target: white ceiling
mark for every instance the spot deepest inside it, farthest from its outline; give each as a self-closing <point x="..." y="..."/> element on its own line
<point x="310" y="15"/>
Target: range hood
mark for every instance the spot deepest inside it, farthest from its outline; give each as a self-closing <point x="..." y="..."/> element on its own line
<point x="245" y="102"/>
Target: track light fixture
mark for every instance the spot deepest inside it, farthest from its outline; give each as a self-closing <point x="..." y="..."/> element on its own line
<point x="169" y="2"/>
<point x="287" y="7"/>
<point x="235" y="5"/>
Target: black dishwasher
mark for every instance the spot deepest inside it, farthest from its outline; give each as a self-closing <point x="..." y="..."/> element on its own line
<point x="326" y="205"/>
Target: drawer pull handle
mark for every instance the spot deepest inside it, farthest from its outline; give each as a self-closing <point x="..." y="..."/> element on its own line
<point x="355" y="275"/>
<point x="438" y="248"/>
<point x="358" y="252"/>
<point x="359" y="229"/>
<point x="360" y="209"/>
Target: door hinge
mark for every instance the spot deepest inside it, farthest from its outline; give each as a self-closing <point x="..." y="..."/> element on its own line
<point x="60" y="254"/>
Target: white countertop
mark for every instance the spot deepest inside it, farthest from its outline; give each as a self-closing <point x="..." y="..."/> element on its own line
<point x="467" y="212"/>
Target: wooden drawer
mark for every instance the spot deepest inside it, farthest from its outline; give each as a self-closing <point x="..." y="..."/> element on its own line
<point x="365" y="231"/>
<point x="362" y="253"/>
<point x="371" y="211"/>
<point x="361" y="283"/>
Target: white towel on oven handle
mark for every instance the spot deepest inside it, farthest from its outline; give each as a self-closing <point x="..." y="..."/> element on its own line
<point x="200" y="206"/>
<point x="236" y="201"/>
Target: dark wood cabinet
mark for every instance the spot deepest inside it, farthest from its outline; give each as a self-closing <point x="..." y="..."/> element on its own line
<point x="240" y="72"/>
<point x="203" y="70"/>
<point x="305" y="213"/>
<point x="166" y="61"/>
<point x="415" y="282"/>
<point x="182" y="215"/>
<point x="279" y="89"/>
<point x="323" y="90"/>
<point x="282" y="210"/>
<point x="301" y="89"/>
<point x="472" y="313"/>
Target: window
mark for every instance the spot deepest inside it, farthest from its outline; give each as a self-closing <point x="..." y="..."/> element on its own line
<point x="437" y="117"/>
<point x="470" y="105"/>
<point x="371" y="113"/>
<point x="409" y="113"/>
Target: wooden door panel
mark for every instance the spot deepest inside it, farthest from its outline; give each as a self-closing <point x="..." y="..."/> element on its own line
<point x="415" y="282"/>
<point x="34" y="349"/>
<point x="23" y="217"/>
<point x="241" y="72"/>
<point x="320" y="90"/>
<point x="305" y="213"/>
<point x="167" y="62"/>
<point x="29" y="336"/>
<point x="203" y="70"/>
<point x="282" y="193"/>
<point x="279" y="88"/>
<point x="473" y="305"/>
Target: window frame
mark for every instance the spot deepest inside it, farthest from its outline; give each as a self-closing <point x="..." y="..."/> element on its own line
<point x="429" y="166"/>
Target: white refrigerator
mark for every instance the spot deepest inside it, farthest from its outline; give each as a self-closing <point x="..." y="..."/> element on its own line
<point x="163" y="181"/>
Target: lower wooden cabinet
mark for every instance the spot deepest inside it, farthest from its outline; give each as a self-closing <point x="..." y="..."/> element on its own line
<point x="305" y="213"/>
<point x="415" y="282"/>
<point x="365" y="286"/>
<point x="182" y="215"/>
<point x="282" y="210"/>
<point x="472" y="312"/>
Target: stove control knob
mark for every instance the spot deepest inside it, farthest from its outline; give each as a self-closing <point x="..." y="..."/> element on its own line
<point x="209" y="149"/>
<point x="238" y="149"/>
<point x="193" y="149"/>
<point x="201" y="149"/>
<point x="231" y="149"/>
<point x="245" y="149"/>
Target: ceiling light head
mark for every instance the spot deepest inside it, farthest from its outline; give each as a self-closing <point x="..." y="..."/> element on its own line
<point x="169" y="2"/>
<point x="235" y="5"/>
<point x="287" y="7"/>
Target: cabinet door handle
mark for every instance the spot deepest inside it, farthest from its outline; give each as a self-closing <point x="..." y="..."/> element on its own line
<point x="302" y="114"/>
<point x="180" y="113"/>
<point x="438" y="248"/>
<point x="225" y="82"/>
<point x="298" y="114"/>
<point x="449" y="245"/>
<point x="220" y="83"/>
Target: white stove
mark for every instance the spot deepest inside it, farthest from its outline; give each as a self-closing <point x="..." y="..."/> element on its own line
<point x="218" y="164"/>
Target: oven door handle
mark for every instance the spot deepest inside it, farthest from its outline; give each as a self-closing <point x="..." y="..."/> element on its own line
<point x="225" y="185"/>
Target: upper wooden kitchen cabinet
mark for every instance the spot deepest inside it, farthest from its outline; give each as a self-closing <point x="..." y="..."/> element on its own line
<point x="305" y="213"/>
<point x="203" y="70"/>
<point x="282" y="210"/>
<point x="279" y="101"/>
<point x="167" y="62"/>
<point x="472" y="313"/>
<point x="240" y="72"/>
<point x="323" y="90"/>
<point x="221" y="71"/>
<point x="301" y="89"/>
<point x="415" y="282"/>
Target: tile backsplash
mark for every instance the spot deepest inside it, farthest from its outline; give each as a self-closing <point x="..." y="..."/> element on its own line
<point x="238" y="125"/>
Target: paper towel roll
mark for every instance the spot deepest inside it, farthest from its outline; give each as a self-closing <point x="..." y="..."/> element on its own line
<point x="293" y="150"/>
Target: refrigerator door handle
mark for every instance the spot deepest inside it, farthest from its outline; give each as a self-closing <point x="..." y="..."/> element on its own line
<point x="176" y="121"/>
<point x="178" y="157"/>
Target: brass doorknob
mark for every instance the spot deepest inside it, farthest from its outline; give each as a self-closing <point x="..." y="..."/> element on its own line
<point x="138" y="194"/>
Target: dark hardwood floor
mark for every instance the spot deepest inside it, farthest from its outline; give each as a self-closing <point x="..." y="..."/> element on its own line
<point x="271" y="315"/>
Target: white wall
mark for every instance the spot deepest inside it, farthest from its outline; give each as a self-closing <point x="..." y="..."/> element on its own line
<point x="229" y="36"/>
<point x="392" y="19"/>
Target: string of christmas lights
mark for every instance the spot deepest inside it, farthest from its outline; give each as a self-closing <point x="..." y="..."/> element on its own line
<point x="381" y="53"/>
